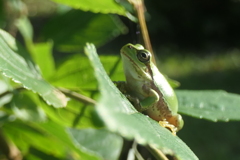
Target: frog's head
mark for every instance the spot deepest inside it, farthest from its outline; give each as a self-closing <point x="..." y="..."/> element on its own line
<point x="136" y="62"/>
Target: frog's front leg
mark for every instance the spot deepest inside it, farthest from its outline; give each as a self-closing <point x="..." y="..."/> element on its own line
<point x="143" y="104"/>
<point x="151" y="98"/>
<point x="122" y="86"/>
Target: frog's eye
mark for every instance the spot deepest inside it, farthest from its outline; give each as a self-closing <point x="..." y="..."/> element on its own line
<point x="143" y="56"/>
<point x="129" y="46"/>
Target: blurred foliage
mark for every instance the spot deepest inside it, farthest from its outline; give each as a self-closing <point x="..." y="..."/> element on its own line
<point x="96" y="28"/>
<point x="196" y="43"/>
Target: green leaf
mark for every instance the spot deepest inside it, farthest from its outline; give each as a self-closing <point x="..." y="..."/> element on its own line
<point x="24" y="136"/>
<point x="173" y="83"/>
<point x="214" y="105"/>
<point x="121" y="117"/>
<point x="70" y="31"/>
<point x="93" y="141"/>
<point x="15" y="67"/>
<point x="25" y="107"/>
<point x="60" y="133"/>
<point x="25" y="29"/>
<point x="113" y="66"/>
<point x="49" y="138"/>
<point x="84" y="116"/>
<point x="72" y="75"/>
<point x="4" y="117"/>
<point x="102" y="6"/>
<point x="4" y="87"/>
<point x="42" y="55"/>
<point x="36" y="154"/>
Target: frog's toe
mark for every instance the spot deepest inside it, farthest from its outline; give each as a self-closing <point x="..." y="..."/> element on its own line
<point x="169" y="126"/>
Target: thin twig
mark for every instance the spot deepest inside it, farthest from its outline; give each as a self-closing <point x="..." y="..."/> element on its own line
<point x="79" y="115"/>
<point x="158" y="154"/>
<point x="77" y="96"/>
<point x="9" y="149"/>
<point x="137" y="154"/>
<point x="139" y="7"/>
<point x="69" y="93"/>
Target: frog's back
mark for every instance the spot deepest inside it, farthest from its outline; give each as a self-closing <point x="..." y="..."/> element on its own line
<point x="166" y="94"/>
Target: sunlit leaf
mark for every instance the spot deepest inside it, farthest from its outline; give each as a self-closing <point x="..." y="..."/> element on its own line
<point x="103" y="6"/>
<point x="42" y="55"/>
<point x="93" y="141"/>
<point x="15" y="67"/>
<point x="72" y="75"/>
<point x="214" y="105"/>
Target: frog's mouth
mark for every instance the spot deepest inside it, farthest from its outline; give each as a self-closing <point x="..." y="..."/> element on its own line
<point x="135" y="66"/>
<point x="130" y="59"/>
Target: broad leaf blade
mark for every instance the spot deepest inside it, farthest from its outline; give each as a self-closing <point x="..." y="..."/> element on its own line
<point x="71" y="30"/>
<point x="214" y="105"/>
<point x="24" y="136"/>
<point x="15" y="67"/>
<point x="93" y="141"/>
<point x="79" y="116"/>
<point x="121" y="117"/>
<point x="72" y="75"/>
<point x="60" y="133"/>
<point x="102" y="6"/>
<point x="49" y="138"/>
<point x="42" y="55"/>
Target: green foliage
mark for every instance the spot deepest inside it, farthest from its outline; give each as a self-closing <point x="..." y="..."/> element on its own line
<point x="103" y="6"/>
<point x="45" y="121"/>
<point x="77" y="75"/>
<point x="212" y="105"/>
<point x="23" y="71"/>
<point x="25" y="107"/>
<point x="101" y="137"/>
<point x="79" y="27"/>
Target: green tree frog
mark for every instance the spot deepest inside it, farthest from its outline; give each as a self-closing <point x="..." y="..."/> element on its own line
<point x="147" y="88"/>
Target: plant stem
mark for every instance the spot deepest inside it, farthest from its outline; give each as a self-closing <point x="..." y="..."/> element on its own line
<point x="9" y="149"/>
<point x="77" y="96"/>
<point x="158" y="154"/>
<point x="139" y="7"/>
<point x="79" y="115"/>
<point x="137" y="154"/>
